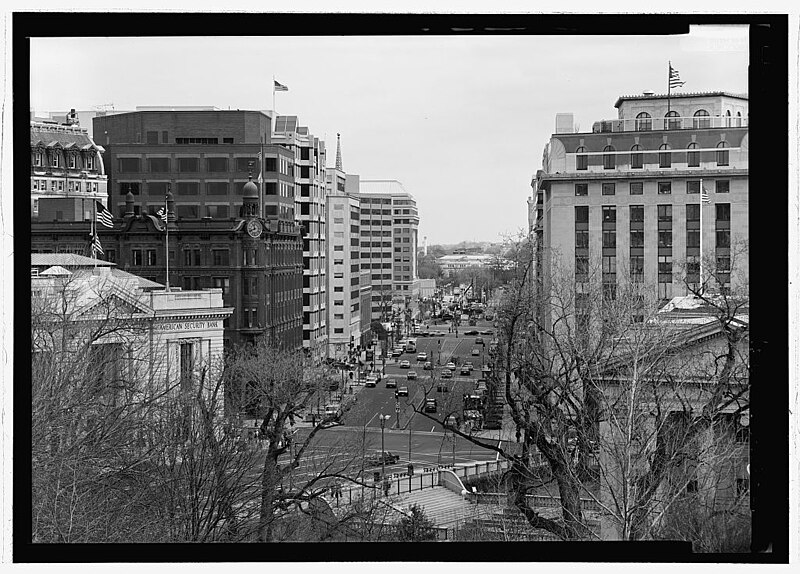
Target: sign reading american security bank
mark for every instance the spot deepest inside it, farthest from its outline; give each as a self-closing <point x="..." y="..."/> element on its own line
<point x="188" y="325"/>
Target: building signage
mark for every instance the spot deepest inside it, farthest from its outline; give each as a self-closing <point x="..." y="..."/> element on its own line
<point x="188" y="325"/>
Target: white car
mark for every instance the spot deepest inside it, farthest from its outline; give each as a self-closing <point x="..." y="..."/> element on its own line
<point x="405" y="365"/>
<point x="451" y="365"/>
<point x="411" y="375"/>
<point x="422" y="356"/>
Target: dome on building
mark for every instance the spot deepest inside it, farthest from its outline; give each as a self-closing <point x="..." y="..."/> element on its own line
<point x="250" y="190"/>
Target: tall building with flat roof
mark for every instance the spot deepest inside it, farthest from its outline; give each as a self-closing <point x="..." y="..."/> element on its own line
<point x="625" y="198"/>
<point x="389" y="229"/>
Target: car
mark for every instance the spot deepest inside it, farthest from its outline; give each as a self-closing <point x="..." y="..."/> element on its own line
<point x="479" y="340"/>
<point x="476" y="352"/>
<point x="402" y="392"/>
<point x="447" y="374"/>
<point x="469" y="364"/>
<point x="372" y="381"/>
<point x="405" y="365"/>
<point x="451" y="365"/>
<point x="397" y="351"/>
<point x="422" y="356"/>
<point x="391" y="384"/>
<point x="428" y="366"/>
<point x="442" y="387"/>
<point x="333" y="386"/>
<point x="471" y="333"/>
<point x="480" y="385"/>
<point x="451" y="421"/>
<point x="331" y="413"/>
<point x="430" y="405"/>
<point x="411" y="375"/>
<point x="487" y="332"/>
<point x="465" y="370"/>
<point x="379" y="459"/>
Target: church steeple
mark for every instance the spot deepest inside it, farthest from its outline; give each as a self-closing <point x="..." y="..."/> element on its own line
<point x="338" y="153"/>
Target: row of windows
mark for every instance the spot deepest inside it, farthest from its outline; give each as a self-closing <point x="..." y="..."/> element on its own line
<point x="609" y="238"/>
<point x="672" y="120"/>
<point x="609" y="212"/>
<point x="664" y="156"/>
<point x="663" y="187"/>
<point x="58" y="185"/>
<point x="636" y="266"/>
<point x="161" y="188"/>
<point x="55" y="160"/>
<point x="192" y="165"/>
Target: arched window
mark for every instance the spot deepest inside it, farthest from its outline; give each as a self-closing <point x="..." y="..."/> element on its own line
<point x="581" y="161"/>
<point x="664" y="156"/>
<point x="672" y="121"/>
<point x="636" y="157"/>
<point x="702" y="119"/>
<point x="693" y="157"/>
<point x="643" y="122"/>
<point x="722" y="153"/>
<point x="608" y="157"/>
<point x="738" y="119"/>
<point x="728" y="118"/>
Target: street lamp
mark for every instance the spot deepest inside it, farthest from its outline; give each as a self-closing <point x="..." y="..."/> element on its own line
<point x="383" y="419"/>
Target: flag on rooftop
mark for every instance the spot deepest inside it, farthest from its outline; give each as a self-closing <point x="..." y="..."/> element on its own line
<point x="162" y="214"/>
<point x="674" y="77"/>
<point x="104" y="216"/>
<point x="278" y="87"/>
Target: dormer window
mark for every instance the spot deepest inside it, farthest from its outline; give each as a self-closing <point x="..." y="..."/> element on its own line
<point x="71" y="161"/>
<point x="89" y="161"/>
<point x="55" y="159"/>
<point x="37" y="159"/>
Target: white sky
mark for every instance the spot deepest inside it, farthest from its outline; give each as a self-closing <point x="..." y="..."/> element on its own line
<point x="461" y="121"/>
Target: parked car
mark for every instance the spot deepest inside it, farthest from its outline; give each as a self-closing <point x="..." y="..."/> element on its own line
<point x="451" y="421"/>
<point x="447" y="374"/>
<point x="422" y="356"/>
<point x="379" y="459"/>
<point x="411" y="375"/>
<point x="470" y="333"/>
<point x="466" y="370"/>
<point x="372" y="381"/>
<point x="428" y="366"/>
<point x="430" y="405"/>
<point x="442" y="387"/>
<point x="451" y="365"/>
<point x="397" y="351"/>
<point x="487" y="332"/>
<point x="480" y="385"/>
<point x="479" y="340"/>
<point x="331" y="413"/>
<point x="391" y="384"/>
<point x="469" y="364"/>
<point x="402" y="392"/>
<point x="405" y="365"/>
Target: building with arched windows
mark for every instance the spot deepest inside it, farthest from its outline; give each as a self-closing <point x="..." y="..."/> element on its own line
<point x="625" y="198"/>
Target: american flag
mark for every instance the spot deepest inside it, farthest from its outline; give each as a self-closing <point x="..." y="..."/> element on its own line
<point x="104" y="216"/>
<point x="96" y="247"/>
<point x="674" y="78"/>
<point x="278" y="87"/>
<point x="162" y="214"/>
<point x="704" y="195"/>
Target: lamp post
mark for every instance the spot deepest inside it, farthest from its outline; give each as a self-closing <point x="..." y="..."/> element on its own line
<point x="383" y="419"/>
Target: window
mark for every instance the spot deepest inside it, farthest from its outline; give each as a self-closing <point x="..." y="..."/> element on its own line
<point x="609" y="214"/>
<point x="71" y="161"/>
<point x="216" y="188"/>
<point x="581" y="214"/>
<point x="216" y="164"/>
<point x="637" y="267"/>
<point x="723" y="263"/>
<point x="609" y="265"/>
<point x="158" y="164"/>
<point x="692" y="238"/>
<point x="693" y="263"/>
<point x="722" y="153"/>
<point x="637" y="238"/>
<point x="664" y="157"/>
<point x="246" y="164"/>
<point x="665" y="213"/>
<point x="151" y="257"/>
<point x="581" y="189"/>
<point x="609" y="188"/>
<point x="693" y="186"/>
<point x="608" y="157"/>
<point x="609" y="239"/>
<point x="637" y="188"/>
<point x="723" y="186"/>
<point x="665" y="238"/>
<point x="665" y="264"/>
<point x="692" y="212"/>
<point x="581" y="161"/>
<point x="136" y="257"/>
<point x="581" y="266"/>
<point x="664" y="187"/>
<point x="723" y="238"/>
<point x="188" y="188"/>
<point x="37" y="159"/>
<point x="188" y="164"/>
<point x="692" y="157"/>
<point x="152" y="138"/>
<point x="643" y="122"/>
<point x="723" y="211"/>
<point x="672" y="121"/>
<point x="129" y="186"/>
<point x="221" y="256"/>
<point x="164" y="137"/>
<point x="701" y="119"/>
<point x="129" y="165"/>
<point x="582" y="239"/>
<point x="88" y="161"/>
<point x="223" y="283"/>
<point x="665" y="290"/>
<point x="157" y="188"/>
<point x="637" y="213"/>
<point x="637" y="157"/>
<point x="191" y="257"/>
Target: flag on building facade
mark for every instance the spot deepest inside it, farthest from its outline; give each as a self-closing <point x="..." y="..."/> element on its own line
<point x="96" y="246"/>
<point x="674" y="78"/>
<point x="162" y="214"/>
<point x="278" y="87"/>
<point x="103" y="215"/>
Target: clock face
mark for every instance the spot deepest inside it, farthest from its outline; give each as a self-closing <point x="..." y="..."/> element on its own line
<point x="254" y="228"/>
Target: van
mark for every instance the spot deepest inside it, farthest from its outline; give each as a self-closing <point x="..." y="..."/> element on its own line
<point x="411" y="346"/>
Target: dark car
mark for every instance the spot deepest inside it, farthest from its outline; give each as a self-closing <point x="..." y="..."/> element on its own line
<point x="411" y="375"/>
<point x="391" y="384"/>
<point x="479" y="340"/>
<point x="470" y="333"/>
<point x="402" y="392"/>
<point x="378" y="459"/>
<point x="430" y="405"/>
<point x="442" y="387"/>
<point x="466" y="370"/>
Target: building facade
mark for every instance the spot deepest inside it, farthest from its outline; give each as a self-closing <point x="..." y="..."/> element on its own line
<point x="67" y="172"/>
<point x="389" y="230"/>
<point x="625" y="199"/>
<point x="307" y="155"/>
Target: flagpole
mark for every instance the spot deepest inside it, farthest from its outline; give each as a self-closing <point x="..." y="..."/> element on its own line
<point x="166" y="226"/>
<point x="669" y="83"/>
<point x="94" y="230"/>
<point x="273" y="96"/>
<point x="700" y="270"/>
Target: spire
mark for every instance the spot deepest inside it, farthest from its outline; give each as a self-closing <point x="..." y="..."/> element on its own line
<point x="338" y="152"/>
